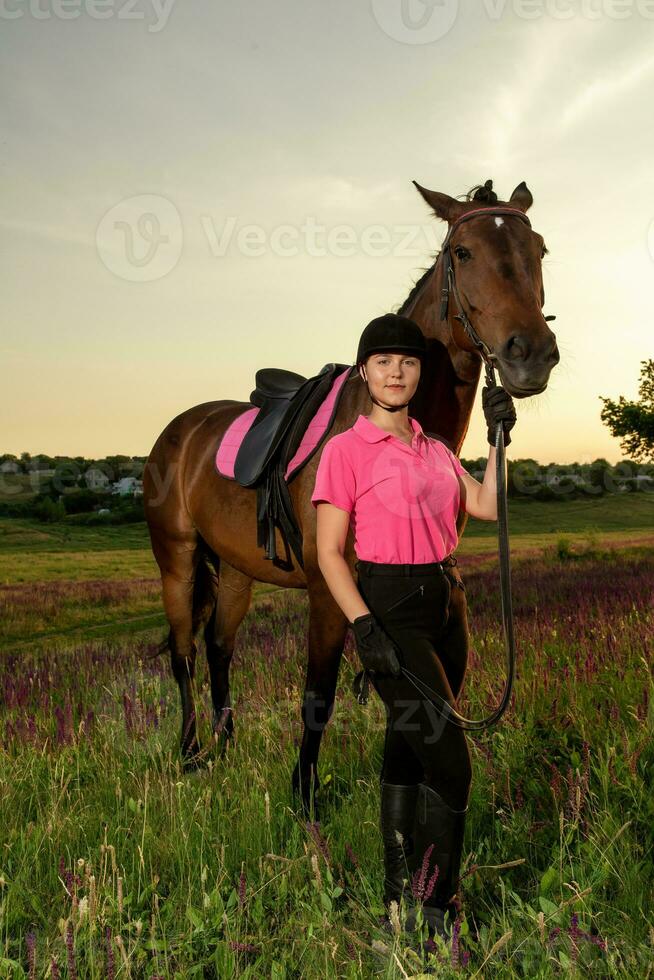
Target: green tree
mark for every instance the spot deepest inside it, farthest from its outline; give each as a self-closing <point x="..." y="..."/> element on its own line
<point x="633" y="422"/>
<point x="48" y="510"/>
<point x="120" y="466"/>
<point x="597" y="477"/>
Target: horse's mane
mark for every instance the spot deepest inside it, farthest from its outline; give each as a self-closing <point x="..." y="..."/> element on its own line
<point x="480" y="192"/>
<point x="415" y="289"/>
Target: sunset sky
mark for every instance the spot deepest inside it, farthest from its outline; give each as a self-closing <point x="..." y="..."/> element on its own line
<point x="139" y="143"/>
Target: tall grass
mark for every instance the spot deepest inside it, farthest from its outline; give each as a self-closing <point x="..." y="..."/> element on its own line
<point x="113" y="863"/>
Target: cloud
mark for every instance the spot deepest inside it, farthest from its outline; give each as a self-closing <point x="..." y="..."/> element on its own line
<point x="327" y="191"/>
<point x="517" y="102"/>
<point x="605" y="89"/>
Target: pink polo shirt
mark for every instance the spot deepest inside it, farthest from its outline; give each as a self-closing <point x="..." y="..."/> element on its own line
<point x="403" y="500"/>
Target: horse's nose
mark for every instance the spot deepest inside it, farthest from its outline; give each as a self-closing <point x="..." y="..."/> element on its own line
<point x="520" y="348"/>
<point x="516" y="348"/>
<point x="554" y="357"/>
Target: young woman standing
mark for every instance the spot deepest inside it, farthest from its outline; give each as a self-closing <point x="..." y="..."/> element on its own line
<point x="401" y="491"/>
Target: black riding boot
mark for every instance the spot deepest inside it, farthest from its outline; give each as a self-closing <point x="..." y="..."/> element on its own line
<point x="440" y="825"/>
<point x="398" y="806"/>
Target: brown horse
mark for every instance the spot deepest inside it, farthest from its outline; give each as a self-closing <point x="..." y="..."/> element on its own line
<point x="203" y="527"/>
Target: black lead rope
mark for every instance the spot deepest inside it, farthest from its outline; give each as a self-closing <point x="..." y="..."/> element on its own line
<point x="361" y="685"/>
<point x="445" y="709"/>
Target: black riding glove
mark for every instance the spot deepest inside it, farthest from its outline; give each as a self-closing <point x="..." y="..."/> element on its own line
<point x="498" y="407"/>
<point x="377" y="651"/>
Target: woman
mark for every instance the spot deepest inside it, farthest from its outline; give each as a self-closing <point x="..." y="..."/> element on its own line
<point x="401" y="491"/>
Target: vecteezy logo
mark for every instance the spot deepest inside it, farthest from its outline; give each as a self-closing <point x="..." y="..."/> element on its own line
<point x="415" y="21"/>
<point x="409" y="491"/>
<point x="140" y="239"/>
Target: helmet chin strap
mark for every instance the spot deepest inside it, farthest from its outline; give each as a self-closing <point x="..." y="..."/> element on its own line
<point x="387" y="408"/>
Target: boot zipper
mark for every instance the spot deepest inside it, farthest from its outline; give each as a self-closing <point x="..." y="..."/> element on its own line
<point x="420" y="589"/>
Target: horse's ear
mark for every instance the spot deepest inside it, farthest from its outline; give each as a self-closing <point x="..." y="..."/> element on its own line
<point x="443" y="206"/>
<point x="521" y="197"/>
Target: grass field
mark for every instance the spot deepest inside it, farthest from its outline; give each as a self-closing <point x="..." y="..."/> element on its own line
<point x="115" y="864"/>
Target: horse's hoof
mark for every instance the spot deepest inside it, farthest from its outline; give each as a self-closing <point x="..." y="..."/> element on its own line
<point x="309" y="804"/>
<point x="223" y="739"/>
<point x="191" y="756"/>
<point x="193" y="765"/>
<point x="223" y="719"/>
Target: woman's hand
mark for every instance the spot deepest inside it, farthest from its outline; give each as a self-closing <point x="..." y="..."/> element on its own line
<point x="377" y="651"/>
<point x="498" y="407"/>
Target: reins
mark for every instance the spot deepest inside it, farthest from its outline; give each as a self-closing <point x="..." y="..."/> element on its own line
<point x="445" y="709"/>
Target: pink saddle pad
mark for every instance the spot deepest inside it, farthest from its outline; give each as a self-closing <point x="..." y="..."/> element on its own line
<point x="235" y="433"/>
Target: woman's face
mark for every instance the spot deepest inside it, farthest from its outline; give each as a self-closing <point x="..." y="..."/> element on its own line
<point x="392" y="378"/>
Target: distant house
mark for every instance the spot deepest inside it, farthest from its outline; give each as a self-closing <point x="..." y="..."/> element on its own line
<point x="128" y="486"/>
<point x="96" y="479"/>
<point x="555" y="479"/>
<point x="643" y="481"/>
<point x="9" y="466"/>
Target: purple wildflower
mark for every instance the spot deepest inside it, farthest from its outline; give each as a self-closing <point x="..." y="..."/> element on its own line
<point x="111" y="966"/>
<point x="243" y="947"/>
<point x="70" y="952"/>
<point x="430" y="884"/>
<point x="314" y="830"/>
<point x="69" y="879"/>
<point x="352" y="856"/>
<point x="30" y="942"/>
<point x="519" y="798"/>
<point x="456" y="929"/>
<point x="242" y="885"/>
<point x="555" y="782"/>
<point x="575" y="935"/>
<point x="420" y="875"/>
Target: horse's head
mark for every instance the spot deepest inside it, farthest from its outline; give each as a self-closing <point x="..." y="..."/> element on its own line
<point x="496" y="264"/>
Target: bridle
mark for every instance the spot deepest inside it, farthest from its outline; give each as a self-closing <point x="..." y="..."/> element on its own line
<point x="450" y="287"/>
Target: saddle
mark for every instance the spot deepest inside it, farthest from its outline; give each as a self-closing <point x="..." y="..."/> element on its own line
<point x="267" y="446"/>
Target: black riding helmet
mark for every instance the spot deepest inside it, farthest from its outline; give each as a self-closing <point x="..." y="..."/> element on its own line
<point x="391" y="333"/>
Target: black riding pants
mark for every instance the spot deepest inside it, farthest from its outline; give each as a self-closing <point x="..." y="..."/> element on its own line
<point x="412" y="602"/>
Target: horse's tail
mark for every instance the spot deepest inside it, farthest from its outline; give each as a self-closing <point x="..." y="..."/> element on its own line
<point x="205" y="586"/>
<point x="205" y="596"/>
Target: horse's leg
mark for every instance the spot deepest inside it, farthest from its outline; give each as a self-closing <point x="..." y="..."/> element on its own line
<point x="234" y="597"/>
<point x="327" y="629"/>
<point x="178" y="566"/>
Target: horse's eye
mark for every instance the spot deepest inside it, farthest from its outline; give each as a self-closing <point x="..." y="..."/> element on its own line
<point x="462" y="253"/>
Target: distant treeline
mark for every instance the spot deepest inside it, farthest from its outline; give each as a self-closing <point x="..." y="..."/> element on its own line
<point x="70" y="471"/>
<point x="71" y="488"/>
<point x="67" y="488"/>
<point x="527" y="478"/>
<point x="114" y="467"/>
<point x="76" y="507"/>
